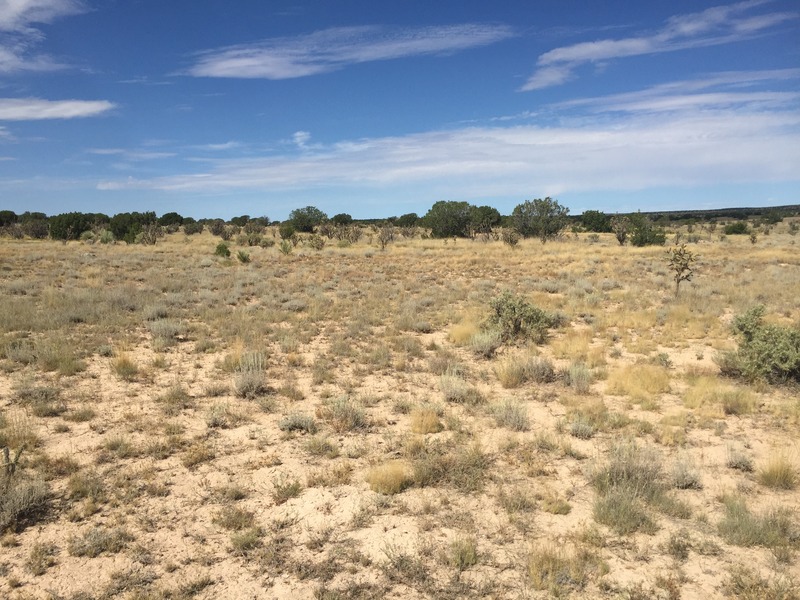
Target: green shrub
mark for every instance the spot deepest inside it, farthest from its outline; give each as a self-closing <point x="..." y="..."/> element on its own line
<point x="738" y="228"/>
<point x="766" y="352"/>
<point x="645" y="233"/>
<point x="222" y="250"/>
<point x="517" y="318"/>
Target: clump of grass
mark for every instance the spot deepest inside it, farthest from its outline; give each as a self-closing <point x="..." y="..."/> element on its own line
<point x="198" y="453"/>
<point x="344" y="414"/>
<point x="623" y="511"/>
<point x="438" y="463"/>
<point x="679" y="544"/>
<point x="517" y="500"/>
<point x="42" y="556"/>
<point x="80" y="415"/>
<point x="579" y="378"/>
<point x="123" y="366"/>
<point x="739" y="460"/>
<point x="250" y="384"/>
<point x="445" y="362"/>
<point x="737" y="402"/>
<point x="512" y="415"/>
<point x="338" y="474"/>
<point x="462" y="333"/>
<point x="517" y="369"/>
<point x="641" y="382"/>
<point x="98" y="540"/>
<point x="86" y="485"/>
<point x="234" y="518"/>
<point x="456" y="389"/>
<point x="778" y="473"/>
<point x="224" y="416"/>
<point x="772" y="529"/>
<point x="630" y="480"/>
<point x="463" y="553"/>
<point x="22" y="502"/>
<point x="425" y="420"/>
<point x="747" y="584"/>
<point x="175" y="399"/>
<point x="58" y="356"/>
<point x="554" y="569"/>
<point x="485" y="342"/>
<point x="43" y="401"/>
<point x="244" y="542"/>
<point x="684" y="476"/>
<point x="322" y="446"/>
<point x="581" y="428"/>
<point x="284" y="489"/>
<point x="390" y="478"/>
<point x="166" y="333"/>
<point x="298" y="422"/>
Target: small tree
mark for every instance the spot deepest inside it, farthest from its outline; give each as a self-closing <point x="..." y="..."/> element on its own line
<point x="305" y="219"/>
<point x="385" y="235"/>
<point x="596" y="221"/>
<point x="620" y="227"/>
<point x="545" y="219"/>
<point x="510" y="236"/>
<point x="680" y="261"/>
<point x="447" y="218"/>
<point x="645" y="233"/>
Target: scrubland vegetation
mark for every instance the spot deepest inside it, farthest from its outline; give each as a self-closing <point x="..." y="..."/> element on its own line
<point x="330" y="410"/>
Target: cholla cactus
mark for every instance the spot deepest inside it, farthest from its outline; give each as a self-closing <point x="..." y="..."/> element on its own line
<point x="680" y="261"/>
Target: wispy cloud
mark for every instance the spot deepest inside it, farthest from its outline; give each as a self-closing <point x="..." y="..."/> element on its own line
<point x="18" y="34"/>
<point x="637" y="150"/>
<point x="333" y="49"/>
<point x="714" y="91"/>
<point x="18" y="15"/>
<point x="35" y="109"/>
<point x="713" y="26"/>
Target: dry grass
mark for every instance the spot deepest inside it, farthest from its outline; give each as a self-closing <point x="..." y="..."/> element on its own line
<point x="778" y="473"/>
<point x="341" y="423"/>
<point x="390" y="478"/>
<point x="639" y="382"/>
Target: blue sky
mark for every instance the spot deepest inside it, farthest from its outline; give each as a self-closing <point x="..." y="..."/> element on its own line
<point x="214" y="108"/>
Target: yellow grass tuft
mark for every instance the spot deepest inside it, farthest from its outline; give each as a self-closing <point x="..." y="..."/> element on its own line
<point x="425" y="420"/>
<point x="390" y="478"/>
<point x="778" y="473"/>
<point x="639" y="382"/>
<point x="462" y="333"/>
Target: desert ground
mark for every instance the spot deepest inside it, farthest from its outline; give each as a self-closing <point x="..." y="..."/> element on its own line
<point x="348" y="422"/>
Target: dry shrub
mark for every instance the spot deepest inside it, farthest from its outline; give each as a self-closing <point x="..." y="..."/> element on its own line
<point x="778" y="473"/>
<point x="425" y="420"/>
<point x="462" y="333"/>
<point x="518" y="369"/>
<point x="640" y="382"/>
<point x="558" y="571"/>
<point x="390" y="478"/>
<point x="124" y="367"/>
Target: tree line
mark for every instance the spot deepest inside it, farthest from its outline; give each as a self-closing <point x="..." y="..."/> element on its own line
<point x="542" y="218"/>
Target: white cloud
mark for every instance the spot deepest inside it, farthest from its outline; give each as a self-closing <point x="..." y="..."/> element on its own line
<point x="713" y="26"/>
<point x="335" y="48"/>
<point x="17" y="15"/>
<point x="18" y="34"/>
<point x="637" y="151"/>
<point x="718" y="90"/>
<point x="35" y="109"/>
